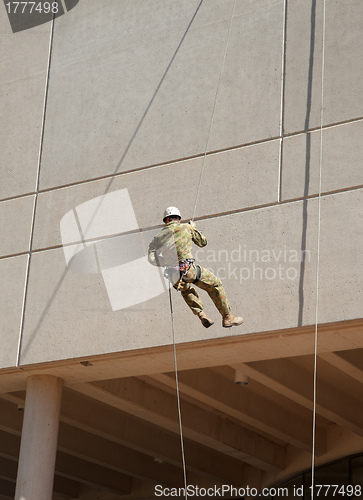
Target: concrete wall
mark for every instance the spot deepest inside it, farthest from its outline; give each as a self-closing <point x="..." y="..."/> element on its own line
<point x="127" y="104"/>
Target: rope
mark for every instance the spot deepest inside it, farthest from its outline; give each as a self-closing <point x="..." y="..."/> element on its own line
<point x="214" y="107"/>
<point x="195" y="206"/>
<point x="178" y="393"/>
<point x="318" y="248"/>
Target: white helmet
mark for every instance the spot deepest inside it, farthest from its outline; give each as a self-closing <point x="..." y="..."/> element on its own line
<point x="171" y="211"/>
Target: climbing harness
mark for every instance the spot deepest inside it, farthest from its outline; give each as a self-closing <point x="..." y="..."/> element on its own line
<point x="178" y="271"/>
<point x="177" y="274"/>
<point x="187" y="264"/>
<point x="184" y="266"/>
<point x="199" y="272"/>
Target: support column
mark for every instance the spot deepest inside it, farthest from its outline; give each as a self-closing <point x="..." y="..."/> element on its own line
<point x="39" y="438"/>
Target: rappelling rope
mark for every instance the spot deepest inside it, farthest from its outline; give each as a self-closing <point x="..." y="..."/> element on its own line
<point x="214" y="107"/>
<point x="195" y="206"/>
<point x="177" y="393"/>
<point x="318" y="250"/>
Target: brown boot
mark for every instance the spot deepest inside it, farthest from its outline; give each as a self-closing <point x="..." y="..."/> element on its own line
<point x="206" y="322"/>
<point x="229" y="320"/>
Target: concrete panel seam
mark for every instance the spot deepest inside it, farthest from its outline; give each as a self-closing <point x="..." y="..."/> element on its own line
<point x="172" y="162"/>
<point x="84" y="240"/>
<point x="27" y="272"/>
<point x="156" y="165"/>
<point x="210" y="216"/>
<point x="18" y="196"/>
<point x="328" y="126"/>
<point x="200" y="155"/>
<point x="205" y="217"/>
<point x="324" y="193"/>
<point x="214" y="108"/>
<point x="283" y="66"/>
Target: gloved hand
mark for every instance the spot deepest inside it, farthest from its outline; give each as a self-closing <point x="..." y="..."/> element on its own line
<point x="192" y="223"/>
<point x="156" y="259"/>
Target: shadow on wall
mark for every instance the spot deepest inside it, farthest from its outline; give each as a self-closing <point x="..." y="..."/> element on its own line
<point x="108" y="187"/>
<point x="26" y="15"/>
<point x="102" y="236"/>
<point x="307" y="163"/>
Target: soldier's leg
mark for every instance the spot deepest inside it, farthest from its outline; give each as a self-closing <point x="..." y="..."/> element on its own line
<point x="192" y="299"/>
<point x="213" y="286"/>
<point x="215" y="289"/>
<point x="190" y="296"/>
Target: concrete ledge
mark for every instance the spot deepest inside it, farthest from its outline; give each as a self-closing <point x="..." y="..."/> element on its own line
<point x="231" y="350"/>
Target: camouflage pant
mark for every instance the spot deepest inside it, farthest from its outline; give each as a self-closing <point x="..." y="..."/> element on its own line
<point x="208" y="282"/>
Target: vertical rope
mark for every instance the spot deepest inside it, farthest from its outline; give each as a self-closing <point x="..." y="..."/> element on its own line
<point x="178" y="394"/>
<point x="195" y="206"/>
<point x="318" y="247"/>
<point x="214" y="107"/>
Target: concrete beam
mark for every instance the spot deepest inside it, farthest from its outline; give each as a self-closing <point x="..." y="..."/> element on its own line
<point x="349" y="362"/>
<point x="346" y="335"/>
<point x="100" y="451"/>
<point x="154" y="440"/>
<point x="10" y="445"/>
<point x="68" y="469"/>
<point x="337" y="402"/>
<point x="117" y="457"/>
<point x="62" y="485"/>
<point x="160" y="408"/>
<point x="91" y="474"/>
<point x="107" y="422"/>
<point x="8" y="469"/>
<point x="286" y="423"/>
<point x="7" y="489"/>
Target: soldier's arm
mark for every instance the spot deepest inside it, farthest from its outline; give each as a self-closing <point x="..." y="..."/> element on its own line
<point x="153" y="254"/>
<point x="197" y="237"/>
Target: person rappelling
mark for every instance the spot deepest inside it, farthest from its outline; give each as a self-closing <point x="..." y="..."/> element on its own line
<point x="172" y="248"/>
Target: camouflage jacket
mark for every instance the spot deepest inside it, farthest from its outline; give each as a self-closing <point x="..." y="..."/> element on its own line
<point x="174" y="244"/>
